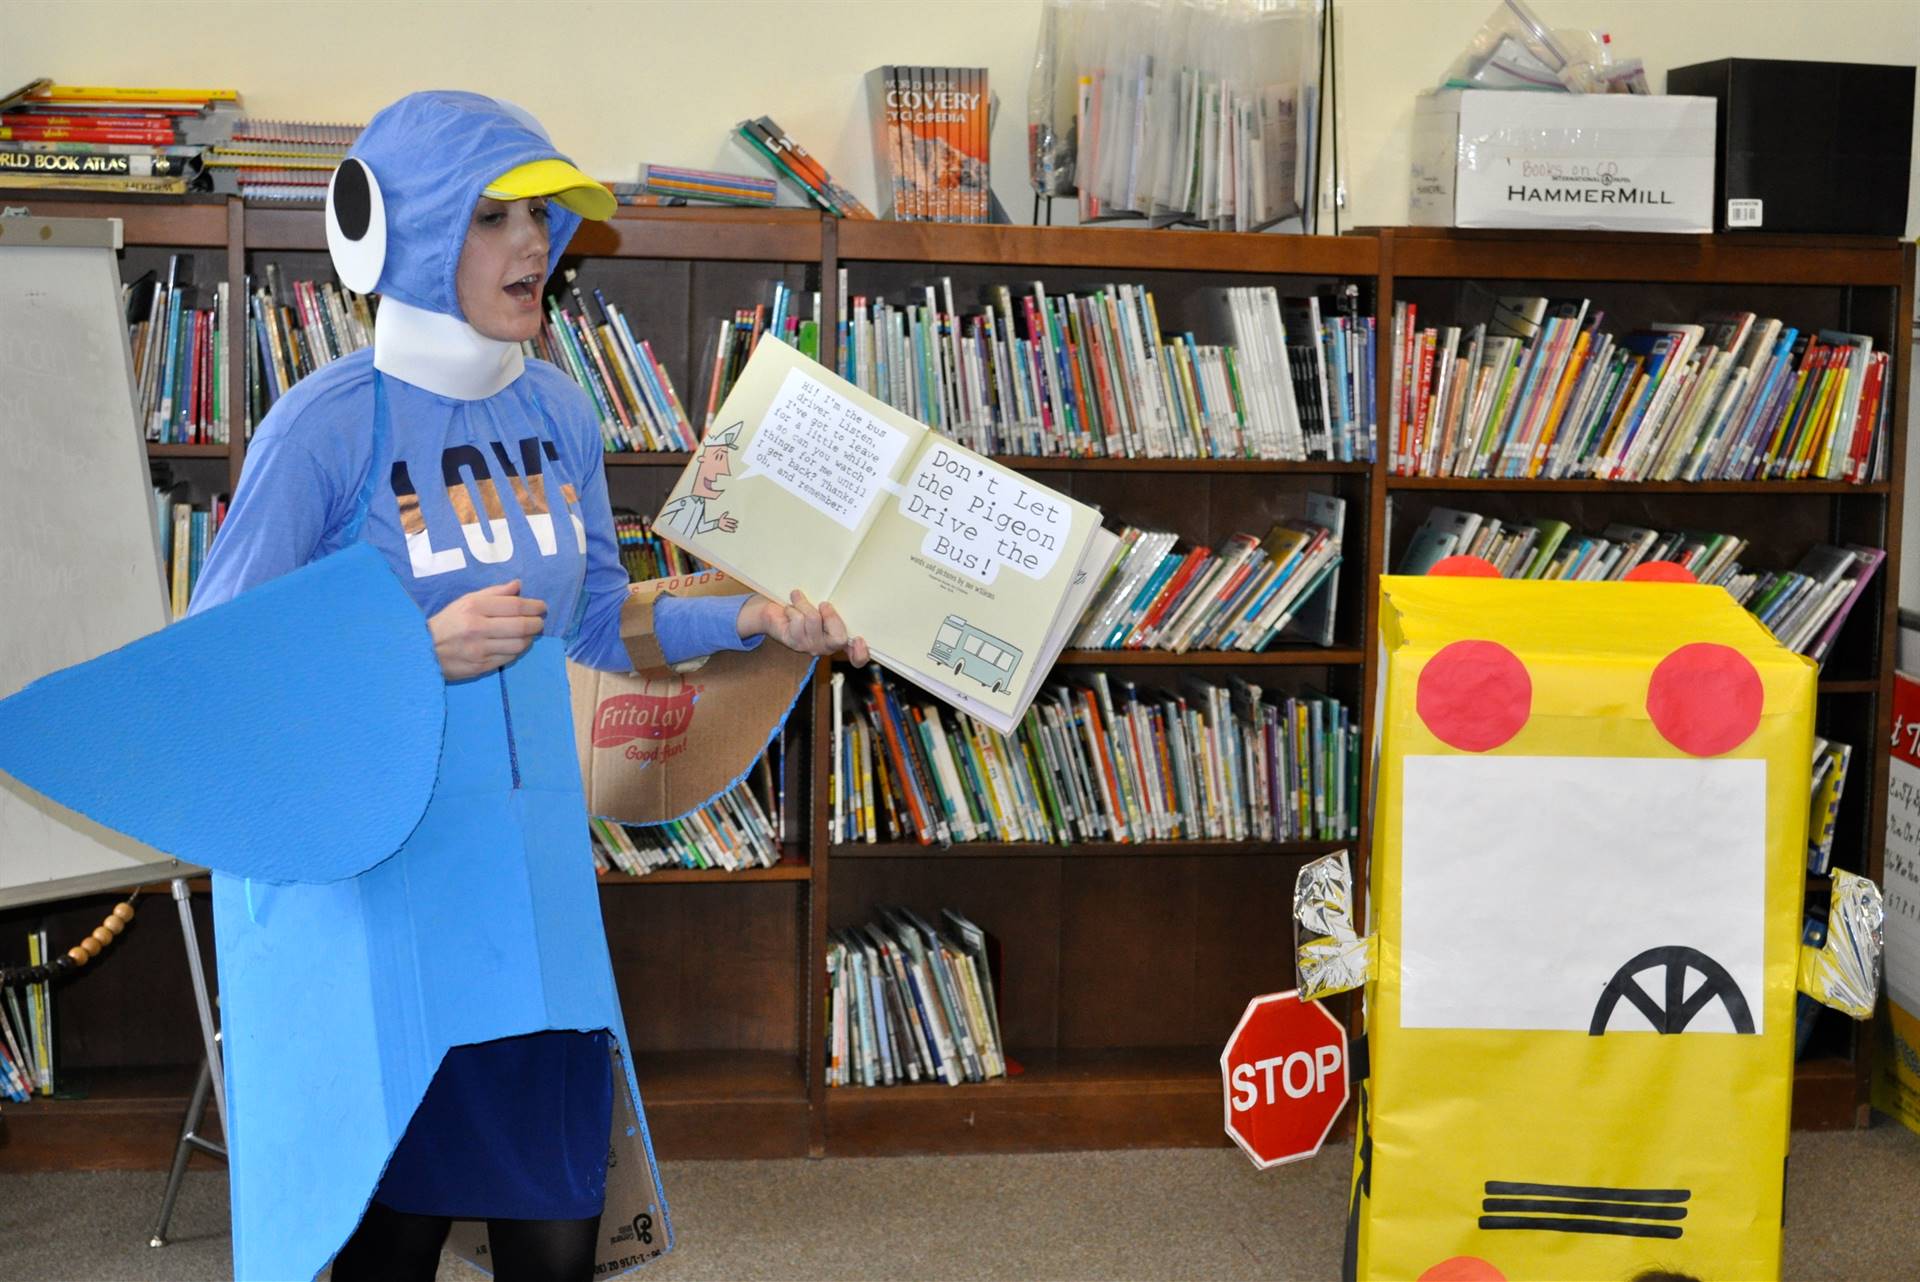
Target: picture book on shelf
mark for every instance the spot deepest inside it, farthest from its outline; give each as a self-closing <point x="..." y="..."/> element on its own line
<point x="789" y="160"/>
<point x="962" y="575"/>
<point x="932" y="128"/>
<point x="909" y="1003"/>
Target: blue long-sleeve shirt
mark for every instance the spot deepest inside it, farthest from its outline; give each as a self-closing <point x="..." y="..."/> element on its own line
<point x="475" y="493"/>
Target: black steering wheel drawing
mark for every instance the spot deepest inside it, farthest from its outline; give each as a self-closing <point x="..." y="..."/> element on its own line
<point x="1676" y="1011"/>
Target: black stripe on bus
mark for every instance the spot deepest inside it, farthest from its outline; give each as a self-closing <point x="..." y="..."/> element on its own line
<point x="1496" y="1188"/>
<point x="1616" y="1228"/>
<point x="1556" y="1206"/>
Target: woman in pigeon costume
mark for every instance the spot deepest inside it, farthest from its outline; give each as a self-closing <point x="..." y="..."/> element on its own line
<point x="453" y="430"/>
<point x="420" y="1019"/>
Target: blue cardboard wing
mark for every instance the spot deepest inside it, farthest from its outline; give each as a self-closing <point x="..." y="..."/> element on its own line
<point x="377" y="900"/>
<point x="291" y="734"/>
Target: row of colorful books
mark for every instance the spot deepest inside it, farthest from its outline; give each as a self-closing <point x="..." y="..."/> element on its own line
<point x="1245" y="595"/>
<point x="299" y="326"/>
<point x="1830" y="762"/>
<point x="1226" y="762"/>
<point x="162" y="141"/>
<point x="907" y="1002"/>
<point x="793" y="163"/>
<point x="630" y="388"/>
<point x="1068" y="376"/>
<point x="179" y="356"/>
<point x="732" y="832"/>
<point x="184" y="533"/>
<point x="645" y="554"/>
<point x="793" y="317"/>
<point x="932" y="142"/>
<point x="1804" y="607"/>
<point x="1542" y="390"/>
<point x="1093" y="375"/>
<point x="26" y="1019"/>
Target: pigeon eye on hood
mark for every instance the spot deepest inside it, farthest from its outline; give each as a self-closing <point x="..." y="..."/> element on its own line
<point x="356" y="226"/>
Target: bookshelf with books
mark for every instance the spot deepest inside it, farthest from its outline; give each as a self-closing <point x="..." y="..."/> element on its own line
<point x="1123" y="964"/>
<point x="1118" y="367"/>
<point x="1810" y="490"/>
<point x="195" y="241"/>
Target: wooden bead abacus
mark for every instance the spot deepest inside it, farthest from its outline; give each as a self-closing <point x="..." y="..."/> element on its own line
<point x="77" y="956"/>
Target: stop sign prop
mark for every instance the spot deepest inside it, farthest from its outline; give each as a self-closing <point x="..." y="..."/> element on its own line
<point x="1285" y="1076"/>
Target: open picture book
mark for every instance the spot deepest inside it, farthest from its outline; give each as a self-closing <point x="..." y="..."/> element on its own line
<point x="963" y="576"/>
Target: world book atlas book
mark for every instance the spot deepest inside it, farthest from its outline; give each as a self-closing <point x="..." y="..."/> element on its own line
<point x="963" y="576"/>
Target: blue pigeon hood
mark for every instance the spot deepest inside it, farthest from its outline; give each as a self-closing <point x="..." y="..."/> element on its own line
<point x="433" y="153"/>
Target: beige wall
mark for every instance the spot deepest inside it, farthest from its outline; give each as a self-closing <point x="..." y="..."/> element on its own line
<point x="622" y="81"/>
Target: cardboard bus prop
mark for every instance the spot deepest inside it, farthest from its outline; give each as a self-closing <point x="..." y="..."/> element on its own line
<point x="1586" y="885"/>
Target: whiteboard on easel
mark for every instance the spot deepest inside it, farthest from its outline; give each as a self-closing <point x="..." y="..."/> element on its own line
<point x="79" y="561"/>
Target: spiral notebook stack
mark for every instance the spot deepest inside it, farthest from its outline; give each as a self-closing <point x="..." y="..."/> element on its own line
<point x="278" y="161"/>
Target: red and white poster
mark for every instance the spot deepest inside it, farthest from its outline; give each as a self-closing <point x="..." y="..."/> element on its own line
<point x="1896" y="1077"/>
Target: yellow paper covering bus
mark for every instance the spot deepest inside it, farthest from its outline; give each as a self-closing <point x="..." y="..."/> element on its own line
<point x="1587" y="875"/>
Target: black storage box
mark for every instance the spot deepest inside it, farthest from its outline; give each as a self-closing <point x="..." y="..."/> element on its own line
<point x="1807" y="146"/>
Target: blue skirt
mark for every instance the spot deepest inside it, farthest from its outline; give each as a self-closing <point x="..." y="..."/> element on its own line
<point x="510" y="1129"/>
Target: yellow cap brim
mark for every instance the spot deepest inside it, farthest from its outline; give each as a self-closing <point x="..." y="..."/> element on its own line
<point x="559" y="181"/>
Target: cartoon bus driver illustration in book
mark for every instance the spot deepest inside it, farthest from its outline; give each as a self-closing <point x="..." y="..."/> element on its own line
<point x="687" y="515"/>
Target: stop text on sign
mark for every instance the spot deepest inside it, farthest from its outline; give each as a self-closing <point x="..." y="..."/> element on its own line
<point x="1298" y="1074"/>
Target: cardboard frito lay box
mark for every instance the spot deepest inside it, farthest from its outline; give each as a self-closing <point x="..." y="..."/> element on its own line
<point x="666" y="740"/>
<point x="1589" y="856"/>
<point x="1616" y="162"/>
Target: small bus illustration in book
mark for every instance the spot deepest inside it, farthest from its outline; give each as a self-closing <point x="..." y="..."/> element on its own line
<point x="971" y="652"/>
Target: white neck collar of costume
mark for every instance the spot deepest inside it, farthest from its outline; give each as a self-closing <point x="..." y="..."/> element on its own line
<point x="442" y="354"/>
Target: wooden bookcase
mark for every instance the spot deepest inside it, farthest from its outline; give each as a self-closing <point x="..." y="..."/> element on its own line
<point x="1125" y="966"/>
<point x="1851" y="283"/>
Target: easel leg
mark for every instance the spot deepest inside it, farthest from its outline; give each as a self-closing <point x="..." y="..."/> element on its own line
<point x="212" y="1079"/>
<point x="190" y="1139"/>
<point x="182" y="896"/>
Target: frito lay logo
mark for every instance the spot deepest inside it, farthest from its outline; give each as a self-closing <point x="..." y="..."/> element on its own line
<point x="663" y="710"/>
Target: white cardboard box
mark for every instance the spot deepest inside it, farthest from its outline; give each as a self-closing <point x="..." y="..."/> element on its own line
<point x="1616" y="162"/>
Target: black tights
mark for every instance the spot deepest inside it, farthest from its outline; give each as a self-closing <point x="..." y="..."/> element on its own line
<point x="393" y="1246"/>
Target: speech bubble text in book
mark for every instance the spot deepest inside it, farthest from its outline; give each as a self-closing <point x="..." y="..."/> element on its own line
<point x="823" y="449"/>
<point x="980" y="518"/>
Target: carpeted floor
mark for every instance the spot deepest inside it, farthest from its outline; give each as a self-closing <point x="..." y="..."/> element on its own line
<point x="1150" y="1215"/>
